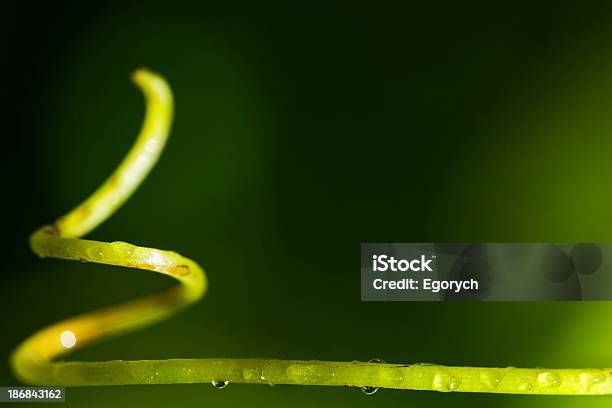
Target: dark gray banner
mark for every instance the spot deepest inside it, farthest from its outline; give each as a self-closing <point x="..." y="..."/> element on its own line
<point x="485" y="271"/>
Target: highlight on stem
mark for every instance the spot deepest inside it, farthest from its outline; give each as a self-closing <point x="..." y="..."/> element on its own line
<point x="37" y="359"/>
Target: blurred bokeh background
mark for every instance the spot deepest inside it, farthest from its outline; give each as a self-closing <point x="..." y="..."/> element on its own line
<point x="302" y="130"/>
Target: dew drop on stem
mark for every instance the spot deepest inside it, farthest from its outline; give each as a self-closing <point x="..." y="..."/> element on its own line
<point x="220" y="384"/>
<point x="369" y="390"/>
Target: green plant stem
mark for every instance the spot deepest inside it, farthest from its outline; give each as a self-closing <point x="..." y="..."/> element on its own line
<point x="35" y="360"/>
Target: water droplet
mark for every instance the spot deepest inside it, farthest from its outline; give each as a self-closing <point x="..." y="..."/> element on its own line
<point x="491" y="378"/>
<point x="439" y="381"/>
<point x="445" y="382"/>
<point x="220" y="384"/>
<point x="306" y="373"/>
<point x="599" y="378"/>
<point x="526" y="386"/>
<point x="367" y="390"/>
<point x="453" y="384"/>
<point x="549" y="379"/>
<point x="156" y="258"/>
<point x="142" y="160"/>
<point x="70" y="251"/>
<point x="250" y="374"/>
<point x="151" y="145"/>
<point x="586" y="380"/>
<point x="122" y="249"/>
<point x="95" y="253"/>
<point x="424" y="364"/>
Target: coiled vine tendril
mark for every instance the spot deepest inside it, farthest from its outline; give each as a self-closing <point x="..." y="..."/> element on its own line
<point x="35" y="360"/>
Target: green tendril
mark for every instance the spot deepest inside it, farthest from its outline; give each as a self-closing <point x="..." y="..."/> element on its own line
<point x="35" y="360"/>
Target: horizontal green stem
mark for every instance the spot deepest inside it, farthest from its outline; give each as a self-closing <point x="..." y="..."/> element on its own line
<point x="330" y="373"/>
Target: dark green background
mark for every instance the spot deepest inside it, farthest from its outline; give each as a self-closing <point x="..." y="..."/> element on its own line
<point x="302" y="130"/>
